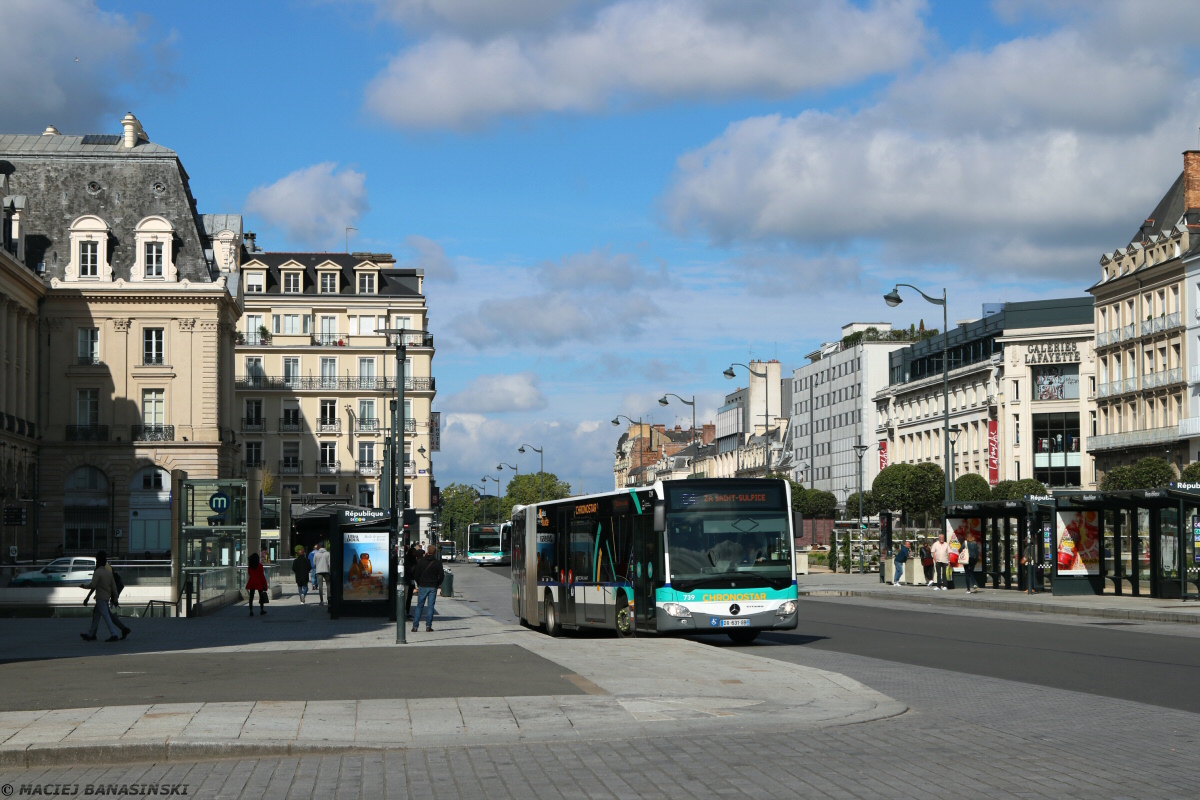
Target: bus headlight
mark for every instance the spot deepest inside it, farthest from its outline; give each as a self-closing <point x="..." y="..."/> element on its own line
<point x="786" y="609"/>
<point x="676" y="609"/>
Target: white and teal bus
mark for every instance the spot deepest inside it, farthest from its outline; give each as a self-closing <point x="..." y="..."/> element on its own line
<point x="487" y="543"/>
<point x="690" y="556"/>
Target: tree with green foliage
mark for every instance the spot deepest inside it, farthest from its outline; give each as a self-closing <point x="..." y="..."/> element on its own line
<point x="869" y="508"/>
<point x="890" y="487"/>
<point x="1147" y="473"/>
<point x="928" y="488"/>
<point x="1017" y="490"/>
<point x="460" y="507"/>
<point x="526" y="489"/>
<point x="816" y="504"/>
<point x="972" y="488"/>
<point x="1191" y="473"/>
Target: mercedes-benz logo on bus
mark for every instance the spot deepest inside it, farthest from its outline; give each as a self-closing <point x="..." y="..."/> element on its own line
<point x="734" y="609"/>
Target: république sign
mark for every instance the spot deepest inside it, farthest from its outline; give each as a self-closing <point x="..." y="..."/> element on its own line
<point x="1052" y="353"/>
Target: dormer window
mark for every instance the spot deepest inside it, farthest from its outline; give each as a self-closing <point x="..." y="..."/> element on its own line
<point x="254" y="283"/>
<point x="153" y="259"/>
<point x="89" y="259"/>
<point x="329" y="283"/>
<point x="89" y="251"/>
<point x="291" y="283"/>
<point x="366" y="283"/>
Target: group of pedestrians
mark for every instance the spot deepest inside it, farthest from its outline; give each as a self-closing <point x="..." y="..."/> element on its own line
<point x="311" y="569"/>
<point x="936" y="563"/>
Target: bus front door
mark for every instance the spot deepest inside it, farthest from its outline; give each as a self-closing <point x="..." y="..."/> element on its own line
<point x="644" y="577"/>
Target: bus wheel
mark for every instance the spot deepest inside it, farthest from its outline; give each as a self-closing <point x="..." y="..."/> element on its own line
<point x="624" y="618"/>
<point x="552" y="626"/>
<point x="743" y="637"/>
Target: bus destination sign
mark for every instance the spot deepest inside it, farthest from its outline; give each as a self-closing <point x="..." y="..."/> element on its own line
<point x="749" y="497"/>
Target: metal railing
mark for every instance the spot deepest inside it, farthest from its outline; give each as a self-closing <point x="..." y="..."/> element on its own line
<point x="328" y="339"/>
<point x="326" y="425"/>
<point x="290" y="466"/>
<point x="87" y="433"/>
<point x="1130" y="385"/>
<point x="86" y="360"/>
<point x="291" y="424"/>
<point x="152" y="433"/>
<point x="366" y="425"/>
<point x="368" y="467"/>
<point x="1128" y="331"/>
<point x="249" y="465"/>
<point x="153" y="361"/>
<point x="329" y="467"/>
<point x="253" y="425"/>
<point x="278" y="383"/>
<point x="1153" y="436"/>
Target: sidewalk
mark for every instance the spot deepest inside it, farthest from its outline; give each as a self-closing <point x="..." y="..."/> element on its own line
<point x="1125" y="607"/>
<point x="622" y="689"/>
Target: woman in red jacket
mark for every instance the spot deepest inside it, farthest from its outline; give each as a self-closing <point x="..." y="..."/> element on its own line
<point x="256" y="581"/>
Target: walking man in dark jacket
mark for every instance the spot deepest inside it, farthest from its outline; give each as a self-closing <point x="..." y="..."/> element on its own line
<point x="411" y="556"/>
<point x="429" y="577"/>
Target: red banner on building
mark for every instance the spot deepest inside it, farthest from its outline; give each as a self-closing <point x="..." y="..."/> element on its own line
<point x="883" y="453"/>
<point x="993" y="453"/>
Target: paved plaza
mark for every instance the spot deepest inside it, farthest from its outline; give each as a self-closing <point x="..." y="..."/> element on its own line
<point x="642" y="718"/>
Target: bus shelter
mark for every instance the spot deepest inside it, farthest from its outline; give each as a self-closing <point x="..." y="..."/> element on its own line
<point x="362" y="564"/>
<point x="1141" y="542"/>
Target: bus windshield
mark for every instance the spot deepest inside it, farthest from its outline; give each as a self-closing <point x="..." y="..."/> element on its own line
<point x="712" y="549"/>
<point x="483" y="539"/>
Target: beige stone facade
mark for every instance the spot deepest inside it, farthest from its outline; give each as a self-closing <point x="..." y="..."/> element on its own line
<point x="316" y="377"/>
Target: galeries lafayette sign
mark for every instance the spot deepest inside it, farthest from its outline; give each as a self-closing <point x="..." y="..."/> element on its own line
<point x="1052" y="353"/>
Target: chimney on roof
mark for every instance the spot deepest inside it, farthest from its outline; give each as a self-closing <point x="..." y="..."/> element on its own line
<point x="1191" y="180"/>
<point x="51" y="131"/>
<point x="133" y="130"/>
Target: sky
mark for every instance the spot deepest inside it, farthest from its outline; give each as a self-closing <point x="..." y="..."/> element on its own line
<point x="613" y="200"/>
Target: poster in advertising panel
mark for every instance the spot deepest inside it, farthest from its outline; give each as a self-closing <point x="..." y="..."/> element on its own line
<point x="1078" y="550"/>
<point x="883" y="461"/>
<point x="364" y="565"/>
<point x="960" y="530"/>
<point x="993" y="453"/>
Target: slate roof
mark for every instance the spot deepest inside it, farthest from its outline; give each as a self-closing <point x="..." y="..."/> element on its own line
<point x="1167" y="213"/>
<point x="65" y="179"/>
<point x="393" y="281"/>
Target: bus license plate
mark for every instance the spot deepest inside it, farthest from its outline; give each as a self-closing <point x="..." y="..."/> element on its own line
<point x="734" y="623"/>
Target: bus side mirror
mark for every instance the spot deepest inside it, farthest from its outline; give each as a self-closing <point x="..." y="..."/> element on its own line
<point x="660" y="518"/>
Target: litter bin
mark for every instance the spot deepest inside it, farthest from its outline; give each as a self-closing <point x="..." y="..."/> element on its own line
<point x="448" y="584"/>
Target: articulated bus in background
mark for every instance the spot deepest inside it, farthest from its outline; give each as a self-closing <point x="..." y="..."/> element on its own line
<point x="691" y="556"/>
<point x="488" y="543"/>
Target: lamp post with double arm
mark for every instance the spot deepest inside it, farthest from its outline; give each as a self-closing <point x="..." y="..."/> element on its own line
<point x="662" y="401"/>
<point x="729" y="374"/>
<point x="893" y="299"/>
<point x="516" y="477"/>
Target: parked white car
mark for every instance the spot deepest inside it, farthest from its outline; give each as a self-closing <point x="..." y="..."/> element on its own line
<point x="75" y="571"/>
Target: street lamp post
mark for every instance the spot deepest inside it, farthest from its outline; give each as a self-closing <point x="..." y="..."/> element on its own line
<point x="616" y="421"/>
<point x="516" y="477"/>
<point x="399" y="425"/>
<point x="541" y="466"/>
<point x="955" y="432"/>
<point x="893" y="299"/>
<point x="662" y="401"/>
<point x="860" y="450"/>
<point x="729" y="373"/>
<point x="487" y="478"/>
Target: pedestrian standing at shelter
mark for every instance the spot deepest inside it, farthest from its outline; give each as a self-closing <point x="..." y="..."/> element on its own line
<point x="901" y="559"/>
<point x="312" y="570"/>
<point x="256" y="581"/>
<point x="970" y="548"/>
<point x="429" y="577"/>
<point x="411" y="556"/>
<point x="1029" y="559"/>
<point x="104" y="585"/>
<point x="300" y="569"/>
<point x="941" y="560"/>
<point x="926" y="562"/>
<point x="321" y="565"/>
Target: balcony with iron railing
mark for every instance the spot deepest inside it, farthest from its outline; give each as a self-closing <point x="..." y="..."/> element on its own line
<point x="368" y="467"/>
<point x="1166" y="377"/>
<point x="153" y="360"/>
<point x="1160" y="324"/>
<point x="249" y="465"/>
<point x="367" y="425"/>
<point x="253" y="425"/>
<point x="368" y="384"/>
<point x="329" y="425"/>
<point x="292" y="424"/>
<point x="290" y="466"/>
<point x="153" y="433"/>
<point x="329" y="467"/>
<point x="87" y="433"/>
<point x="85" y="360"/>
<point x="329" y="339"/>
<point x="1143" y="438"/>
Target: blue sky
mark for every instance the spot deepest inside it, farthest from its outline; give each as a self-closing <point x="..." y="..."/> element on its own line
<point x="614" y="200"/>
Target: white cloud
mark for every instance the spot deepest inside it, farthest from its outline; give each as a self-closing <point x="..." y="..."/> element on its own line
<point x="66" y="64"/>
<point x="1034" y="156"/>
<point x="431" y="257"/>
<point x="475" y="17"/>
<point x="313" y="206"/>
<point x="639" y="51"/>
<point x="498" y="393"/>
